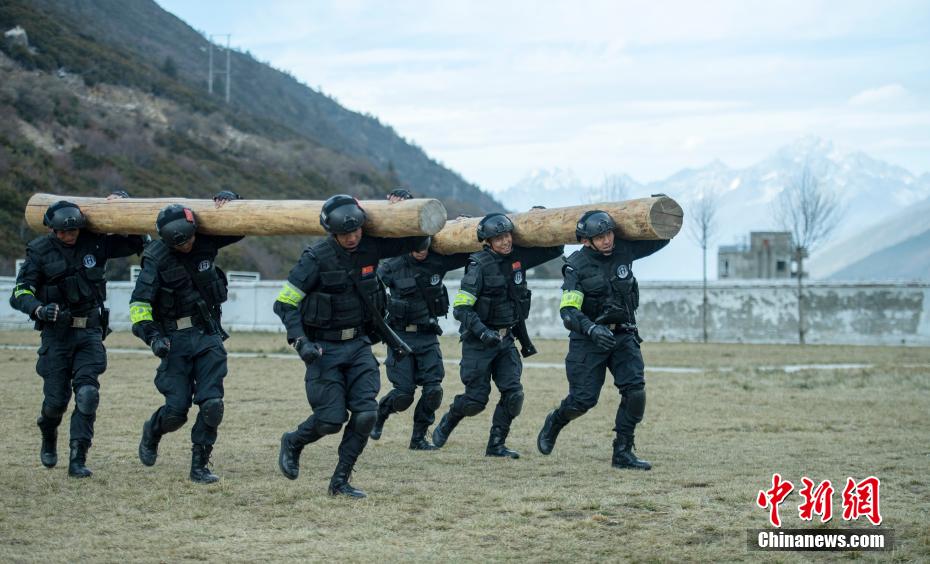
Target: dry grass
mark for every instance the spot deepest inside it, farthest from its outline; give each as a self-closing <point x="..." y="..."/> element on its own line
<point x="715" y="440"/>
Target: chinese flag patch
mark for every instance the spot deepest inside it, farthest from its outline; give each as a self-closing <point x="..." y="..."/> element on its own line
<point x="517" y="265"/>
<point x="367" y="270"/>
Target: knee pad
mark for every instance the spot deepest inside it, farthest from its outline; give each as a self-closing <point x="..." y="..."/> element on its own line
<point x="86" y="400"/>
<point x="513" y="403"/>
<point x="472" y="408"/>
<point x="362" y="422"/>
<point x="171" y="420"/>
<point x="324" y="428"/>
<point x="53" y="411"/>
<point x="212" y="412"/>
<point x="633" y="403"/>
<point x="401" y="400"/>
<point x="432" y="397"/>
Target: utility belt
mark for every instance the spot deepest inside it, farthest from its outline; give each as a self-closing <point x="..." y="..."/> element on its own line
<point x="622" y="327"/>
<point x="348" y="334"/>
<point x="182" y="323"/>
<point x="66" y="320"/>
<point x="430" y="328"/>
<point x="89" y="322"/>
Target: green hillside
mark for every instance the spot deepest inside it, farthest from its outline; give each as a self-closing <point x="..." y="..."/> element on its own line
<point x="104" y="97"/>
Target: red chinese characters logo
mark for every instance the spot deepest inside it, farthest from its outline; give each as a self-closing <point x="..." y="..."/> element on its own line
<point x="817" y="501"/>
<point x="774" y="497"/>
<point x="861" y="500"/>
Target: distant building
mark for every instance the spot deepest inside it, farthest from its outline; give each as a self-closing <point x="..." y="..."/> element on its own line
<point x="768" y="255"/>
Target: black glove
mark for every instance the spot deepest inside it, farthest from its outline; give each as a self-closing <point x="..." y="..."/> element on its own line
<point x="434" y="327"/>
<point x="161" y="346"/>
<point x="602" y="337"/>
<point x="307" y="350"/>
<point x="47" y="313"/>
<point x="401" y="193"/>
<point x="64" y="318"/>
<point x="490" y="338"/>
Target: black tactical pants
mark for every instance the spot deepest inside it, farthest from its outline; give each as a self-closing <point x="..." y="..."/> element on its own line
<point x="586" y="365"/>
<point x="71" y="359"/>
<point x="193" y="372"/>
<point x="422" y="368"/>
<point x="344" y="380"/>
<point x="479" y="365"/>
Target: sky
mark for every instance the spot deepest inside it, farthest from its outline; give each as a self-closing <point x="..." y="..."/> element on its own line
<point x="494" y="90"/>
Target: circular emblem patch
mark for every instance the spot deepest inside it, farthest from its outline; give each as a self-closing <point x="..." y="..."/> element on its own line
<point x="434" y="279"/>
<point x="623" y="271"/>
<point x="518" y="277"/>
<point x="90" y="261"/>
<point x="203" y="266"/>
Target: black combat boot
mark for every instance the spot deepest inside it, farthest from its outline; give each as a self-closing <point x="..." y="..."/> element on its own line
<point x="77" y="459"/>
<point x="545" y="442"/>
<point x="200" y="457"/>
<point x="289" y="456"/>
<point x="624" y="457"/>
<point x="444" y="429"/>
<point x="148" y="446"/>
<point x="496" y="446"/>
<point x="339" y="484"/>
<point x="418" y="440"/>
<point x="48" y="453"/>
<point x="379" y="425"/>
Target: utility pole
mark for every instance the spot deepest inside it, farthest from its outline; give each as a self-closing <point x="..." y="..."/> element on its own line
<point x="211" y="72"/>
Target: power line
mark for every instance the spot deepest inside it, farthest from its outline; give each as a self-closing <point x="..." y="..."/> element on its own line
<point x="211" y="72"/>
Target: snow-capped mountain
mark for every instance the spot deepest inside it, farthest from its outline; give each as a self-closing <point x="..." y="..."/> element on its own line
<point x="870" y="191"/>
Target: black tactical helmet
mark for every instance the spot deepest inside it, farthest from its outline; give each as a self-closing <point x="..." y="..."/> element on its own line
<point x="594" y="223"/>
<point x="341" y="214"/>
<point x="176" y="224"/>
<point x="64" y="216"/>
<point x="402" y="193"/>
<point x="493" y="225"/>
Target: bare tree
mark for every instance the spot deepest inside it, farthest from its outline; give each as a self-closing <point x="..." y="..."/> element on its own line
<point x="810" y="213"/>
<point x="612" y="189"/>
<point x="702" y="229"/>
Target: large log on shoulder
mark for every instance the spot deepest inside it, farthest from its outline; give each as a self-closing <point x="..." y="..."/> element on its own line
<point x="245" y="217"/>
<point x="644" y="218"/>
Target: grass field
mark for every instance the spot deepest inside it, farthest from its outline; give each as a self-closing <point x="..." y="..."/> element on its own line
<point x="715" y="438"/>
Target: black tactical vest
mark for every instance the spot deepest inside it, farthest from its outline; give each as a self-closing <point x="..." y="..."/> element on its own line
<point x="611" y="293"/>
<point x="184" y="279"/>
<point x="336" y="304"/>
<point x="504" y="299"/>
<point x="74" y="277"/>
<point x="417" y="291"/>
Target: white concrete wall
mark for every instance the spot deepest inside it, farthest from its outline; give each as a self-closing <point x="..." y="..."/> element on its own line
<point x="740" y="311"/>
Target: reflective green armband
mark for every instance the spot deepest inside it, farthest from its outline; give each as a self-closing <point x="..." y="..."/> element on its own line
<point x="571" y="298"/>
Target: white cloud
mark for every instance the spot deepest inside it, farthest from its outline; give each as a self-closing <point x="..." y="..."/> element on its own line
<point x="496" y="89"/>
<point x="890" y="94"/>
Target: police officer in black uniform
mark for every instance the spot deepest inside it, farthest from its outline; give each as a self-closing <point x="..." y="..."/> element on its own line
<point x="328" y="305"/>
<point x="62" y="286"/>
<point x="493" y="298"/>
<point x="418" y="299"/>
<point x="599" y="300"/>
<point x="175" y="309"/>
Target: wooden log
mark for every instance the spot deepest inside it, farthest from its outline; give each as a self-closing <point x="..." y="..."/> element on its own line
<point x="643" y="218"/>
<point x="245" y="217"/>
